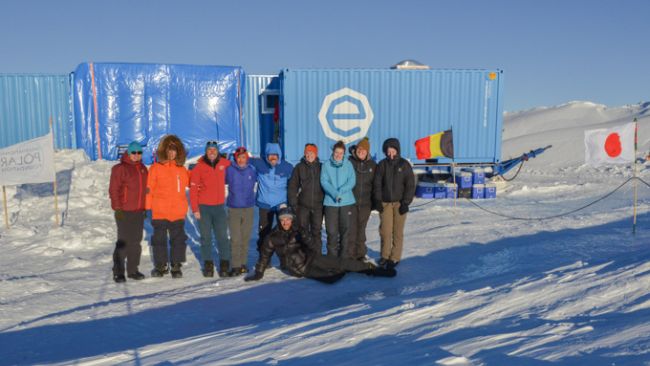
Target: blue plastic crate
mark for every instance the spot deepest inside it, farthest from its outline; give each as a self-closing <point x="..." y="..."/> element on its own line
<point x="451" y="190"/>
<point x="464" y="180"/>
<point x="478" y="191"/>
<point x="425" y="190"/>
<point x="490" y="191"/>
<point x="478" y="175"/>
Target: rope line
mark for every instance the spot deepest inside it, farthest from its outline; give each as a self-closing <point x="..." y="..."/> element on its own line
<point x="552" y="216"/>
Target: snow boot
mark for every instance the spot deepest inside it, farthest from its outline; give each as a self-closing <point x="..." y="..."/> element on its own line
<point x="224" y="269"/>
<point x="159" y="271"/>
<point x="244" y="269"/>
<point x="136" y="276"/>
<point x="382" y="262"/>
<point x="235" y="271"/>
<point x="391" y="265"/>
<point x="377" y="271"/>
<point x="119" y="278"/>
<point x="383" y="272"/>
<point x="208" y="269"/>
<point x="176" y="270"/>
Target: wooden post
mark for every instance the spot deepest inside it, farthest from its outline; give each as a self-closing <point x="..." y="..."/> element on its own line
<point x="636" y="181"/>
<point x="54" y="184"/>
<point x="4" y="203"/>
<point x="453" y="179"/>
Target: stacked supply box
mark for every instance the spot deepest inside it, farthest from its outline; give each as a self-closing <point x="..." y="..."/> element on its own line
<point x="464" y="180"/>
<point x="451" y="190"/>
<point x="478" y="191"/>
<point x="478" y="175"/>
<point x="431" y="190"/>
<point x="490" y="191"/>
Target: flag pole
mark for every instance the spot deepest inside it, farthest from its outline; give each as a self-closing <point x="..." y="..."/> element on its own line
<point x="636" y="183"/>
<point x="4" y="203"/>
<point x="54" y="184"/>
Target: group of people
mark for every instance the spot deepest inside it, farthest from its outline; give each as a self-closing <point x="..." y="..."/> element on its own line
<point x="342" y="191"/>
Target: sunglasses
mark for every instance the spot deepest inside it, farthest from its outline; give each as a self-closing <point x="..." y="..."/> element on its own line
<point x="136" y="152"/>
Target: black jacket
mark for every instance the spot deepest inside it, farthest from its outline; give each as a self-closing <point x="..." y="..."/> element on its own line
<point x="365" y="171"/>
<point x="304" y="187"/>
<point x="291" y="247"/>
<point x="394" y="178"/>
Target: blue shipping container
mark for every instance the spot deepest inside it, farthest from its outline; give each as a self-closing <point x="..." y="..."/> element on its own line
<point x="262" y="95"/>
<point x="325" y="105"/>
<point x="28" y="101"/>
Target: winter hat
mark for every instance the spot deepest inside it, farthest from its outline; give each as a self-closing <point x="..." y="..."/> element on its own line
<point x="210" y="144"/>
<point x="311" y="147"/>
<point x="240" y="150"/>
<point x="286" y="212"/>
<point x="134" y="146"/>
<point x="364" y="144"/>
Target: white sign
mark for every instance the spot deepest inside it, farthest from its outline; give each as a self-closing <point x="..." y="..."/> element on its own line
<point x="345" y="115"/>
<point x="28" y="162"/>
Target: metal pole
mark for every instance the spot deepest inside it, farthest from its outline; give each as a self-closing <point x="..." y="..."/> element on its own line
<point x="4" y="203"/>
<point x="54" y="184"/>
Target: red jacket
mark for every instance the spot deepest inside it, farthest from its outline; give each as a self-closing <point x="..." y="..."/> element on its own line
<point x="208" y="184"/>
<point x="166" y="187"/>
<point x="128" y="185"/>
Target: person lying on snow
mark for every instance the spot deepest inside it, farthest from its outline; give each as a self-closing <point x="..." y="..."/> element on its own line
<point x="298" y="260"/>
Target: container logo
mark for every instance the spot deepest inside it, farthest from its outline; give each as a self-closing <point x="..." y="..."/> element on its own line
<point x="345" y="115"/>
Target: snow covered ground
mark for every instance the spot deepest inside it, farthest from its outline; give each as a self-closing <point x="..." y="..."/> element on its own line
<point x="473" y="288"/>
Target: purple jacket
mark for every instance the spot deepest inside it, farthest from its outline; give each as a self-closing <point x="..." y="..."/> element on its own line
<point x="241" y="186"/>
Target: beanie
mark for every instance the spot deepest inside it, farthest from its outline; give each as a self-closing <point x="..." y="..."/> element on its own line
<point x="286" y="212"/>
<point x="134" y="147"/>
<point x="364" y="144"/>
<point x="311" y="147"/>
<point x="240" y="150"/>
<point x="210" y="144"/>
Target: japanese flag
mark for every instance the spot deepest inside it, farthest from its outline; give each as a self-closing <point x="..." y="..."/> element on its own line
<point x="610" y="145"/>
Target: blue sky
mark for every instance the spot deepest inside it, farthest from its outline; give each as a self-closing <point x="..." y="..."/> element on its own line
<point x="551" y="51"/>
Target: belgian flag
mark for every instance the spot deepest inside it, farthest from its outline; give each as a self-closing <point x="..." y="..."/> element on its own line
<point x="437" y="145"/>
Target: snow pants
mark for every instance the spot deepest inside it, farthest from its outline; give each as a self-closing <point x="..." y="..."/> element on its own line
<point x="330" y="269"/>
<point x="391" y="231"/>
<point x="127" y="246"/>
<point x="177" y="238"/>
<point x="337" y="223"/>
<point x="311" y="220"/>
<point x="240" y="222"/>
<point x="265" y="225"/>
<point x="214" y="220"/>
<point x="356" y="245"/>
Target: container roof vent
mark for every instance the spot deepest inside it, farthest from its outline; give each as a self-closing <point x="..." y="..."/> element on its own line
<point x="409" y="65"/>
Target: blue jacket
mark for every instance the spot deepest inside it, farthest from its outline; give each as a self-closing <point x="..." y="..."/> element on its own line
<point x="338" y="180"/>
<point x="241" y="186"/>
<point x="271" y="181"/>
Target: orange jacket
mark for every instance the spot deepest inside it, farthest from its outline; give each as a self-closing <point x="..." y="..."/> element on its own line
<point x="166" y="187"/>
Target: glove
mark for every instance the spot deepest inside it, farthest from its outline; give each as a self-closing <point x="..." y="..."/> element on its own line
<point x="377" y="206"/>
<point x="119" y="215"/>
<point x="254" y="276"/>
<point x="403" y="208"/>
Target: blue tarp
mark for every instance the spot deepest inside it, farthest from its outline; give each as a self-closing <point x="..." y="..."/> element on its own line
<point x="116" y="103"/>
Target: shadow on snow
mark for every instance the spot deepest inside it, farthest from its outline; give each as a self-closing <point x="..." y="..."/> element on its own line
<point x="284" y="303"/>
